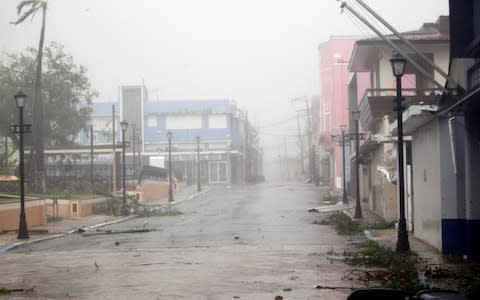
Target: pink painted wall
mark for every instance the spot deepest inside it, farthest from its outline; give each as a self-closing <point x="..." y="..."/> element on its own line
<point x="334" y="75"/>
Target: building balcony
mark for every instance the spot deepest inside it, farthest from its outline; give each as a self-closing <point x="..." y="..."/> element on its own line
<point x="376" y="103"/>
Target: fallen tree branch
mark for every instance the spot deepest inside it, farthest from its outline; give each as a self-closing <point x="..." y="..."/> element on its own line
<point x="5" y="291"/>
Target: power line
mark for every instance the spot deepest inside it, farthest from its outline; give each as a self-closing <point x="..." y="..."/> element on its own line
<point x="277" y="123"/>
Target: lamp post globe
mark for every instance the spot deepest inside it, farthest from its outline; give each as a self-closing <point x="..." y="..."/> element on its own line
<point x="398" y="68"/>
<point x="124" y="126"/>
<point x="170" y="182"/>
<point x="20" y="99"/>
<point x="199" y="188"/>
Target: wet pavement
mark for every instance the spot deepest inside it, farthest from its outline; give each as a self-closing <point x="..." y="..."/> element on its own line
<point x="238" y="242"/>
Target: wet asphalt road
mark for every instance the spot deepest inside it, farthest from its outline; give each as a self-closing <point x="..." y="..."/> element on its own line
<point x="251" y="242"/>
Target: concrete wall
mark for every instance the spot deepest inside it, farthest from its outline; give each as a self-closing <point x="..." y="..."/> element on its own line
<point x="441" y="57"/>
<point x="383" y="195"/>
<point x="155" y="191"/>
<point x="10" y="214"/>
<point x="64" y="208"/>
<point x="426" y="185"/>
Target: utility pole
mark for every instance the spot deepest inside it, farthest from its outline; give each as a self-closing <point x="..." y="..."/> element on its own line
<point x="139" y="151"/>
<point x="6" y="152"/>
<point x="114" y="154"/>
<point x="300" y="143"/>
<point x="311" y="161"/>
<point x="91" y="156"/>
<point x="133" y="149"/>
<point x="247" y="156"/>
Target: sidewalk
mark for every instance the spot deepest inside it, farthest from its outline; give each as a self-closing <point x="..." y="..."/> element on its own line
<point x="51" y="230"/>
<point x="9" y="241"/>
<point x="189" y="192"/>
<point x="388" y="237"/>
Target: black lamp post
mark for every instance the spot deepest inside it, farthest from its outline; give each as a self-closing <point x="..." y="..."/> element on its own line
<point x="124" y="126"/>
<point x="358" y="206"/>
<point x="170" y="183"/>
<point x="199" y="188"/>
<point x="345" y="199"/>
<point x="20" y="99"/>
<point x="398" y="67"/>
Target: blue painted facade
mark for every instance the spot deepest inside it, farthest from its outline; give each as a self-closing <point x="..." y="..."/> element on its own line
<point x="160" y="110"/>
<point x="222" y="146"/>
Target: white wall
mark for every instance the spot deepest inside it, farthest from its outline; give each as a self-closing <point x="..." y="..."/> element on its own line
<point x="427" y="184"/>
<point x="184" y="121"/>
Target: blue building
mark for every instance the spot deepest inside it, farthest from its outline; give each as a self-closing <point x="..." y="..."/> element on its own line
<point x="229" y="151"/>
<point x="219" y="124"/>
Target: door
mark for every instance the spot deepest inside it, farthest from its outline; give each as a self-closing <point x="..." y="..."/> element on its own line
<point x="217" y="172"/>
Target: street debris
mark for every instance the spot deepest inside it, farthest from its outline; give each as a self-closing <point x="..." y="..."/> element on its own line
<point x="96" y="266"/>
<point x="86" y="234"/>
<point x="323" y="287"/>
<point x="6" y="291"/>
<point x="339" y="206"/>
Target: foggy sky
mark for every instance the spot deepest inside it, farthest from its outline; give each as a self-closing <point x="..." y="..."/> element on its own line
<point x="260" y="53"/>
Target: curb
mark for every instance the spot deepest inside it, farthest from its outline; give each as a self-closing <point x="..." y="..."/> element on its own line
<point x="51" y="237"/>
<point x="190" y="197"/>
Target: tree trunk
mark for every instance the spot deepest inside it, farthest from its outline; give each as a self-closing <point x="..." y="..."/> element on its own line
<point x="38" y="111"/>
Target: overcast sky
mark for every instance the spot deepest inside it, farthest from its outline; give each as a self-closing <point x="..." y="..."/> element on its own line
<point x="261" y="53"/>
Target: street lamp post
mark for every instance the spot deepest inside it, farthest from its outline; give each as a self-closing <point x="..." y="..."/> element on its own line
<point x="199" y="188"/>
<point x="124" y="126"/>
<point x="170" y="183"/>
<point x="358" y="206"/>
<point x="20" y="99"/>
<point x="398" y="67"/>
<point x="345" y="199"/>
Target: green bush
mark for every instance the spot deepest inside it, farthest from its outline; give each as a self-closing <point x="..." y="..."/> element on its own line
<point x="342" y="224"/>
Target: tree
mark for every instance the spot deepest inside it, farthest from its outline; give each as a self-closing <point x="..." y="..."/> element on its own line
<point x="34" y="6"/>
<point x="66" y="91"/>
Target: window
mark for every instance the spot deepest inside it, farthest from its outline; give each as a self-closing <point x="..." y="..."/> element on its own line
<point x="75" y="208"/>
<point x="152" y="121"/>
<point x="184" y="122"/>
<point x="217" y="121"/>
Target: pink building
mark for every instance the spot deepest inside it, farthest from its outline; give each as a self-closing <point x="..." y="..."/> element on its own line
<point x="333" y="105"/>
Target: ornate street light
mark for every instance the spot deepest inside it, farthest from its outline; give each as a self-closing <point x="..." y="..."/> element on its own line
<point x="170" y="183"/>
<point x="345" y="199"/>
<point x="358" y="206"/>
<point x="20" y="99"/>
<point x="398" y="67"/>
<point x="199" y="188"/>
<point x="124" y="126"/>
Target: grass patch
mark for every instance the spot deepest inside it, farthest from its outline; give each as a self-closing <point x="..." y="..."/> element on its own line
<point x="401" y="268"/>
<point x="342" y="223"/>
